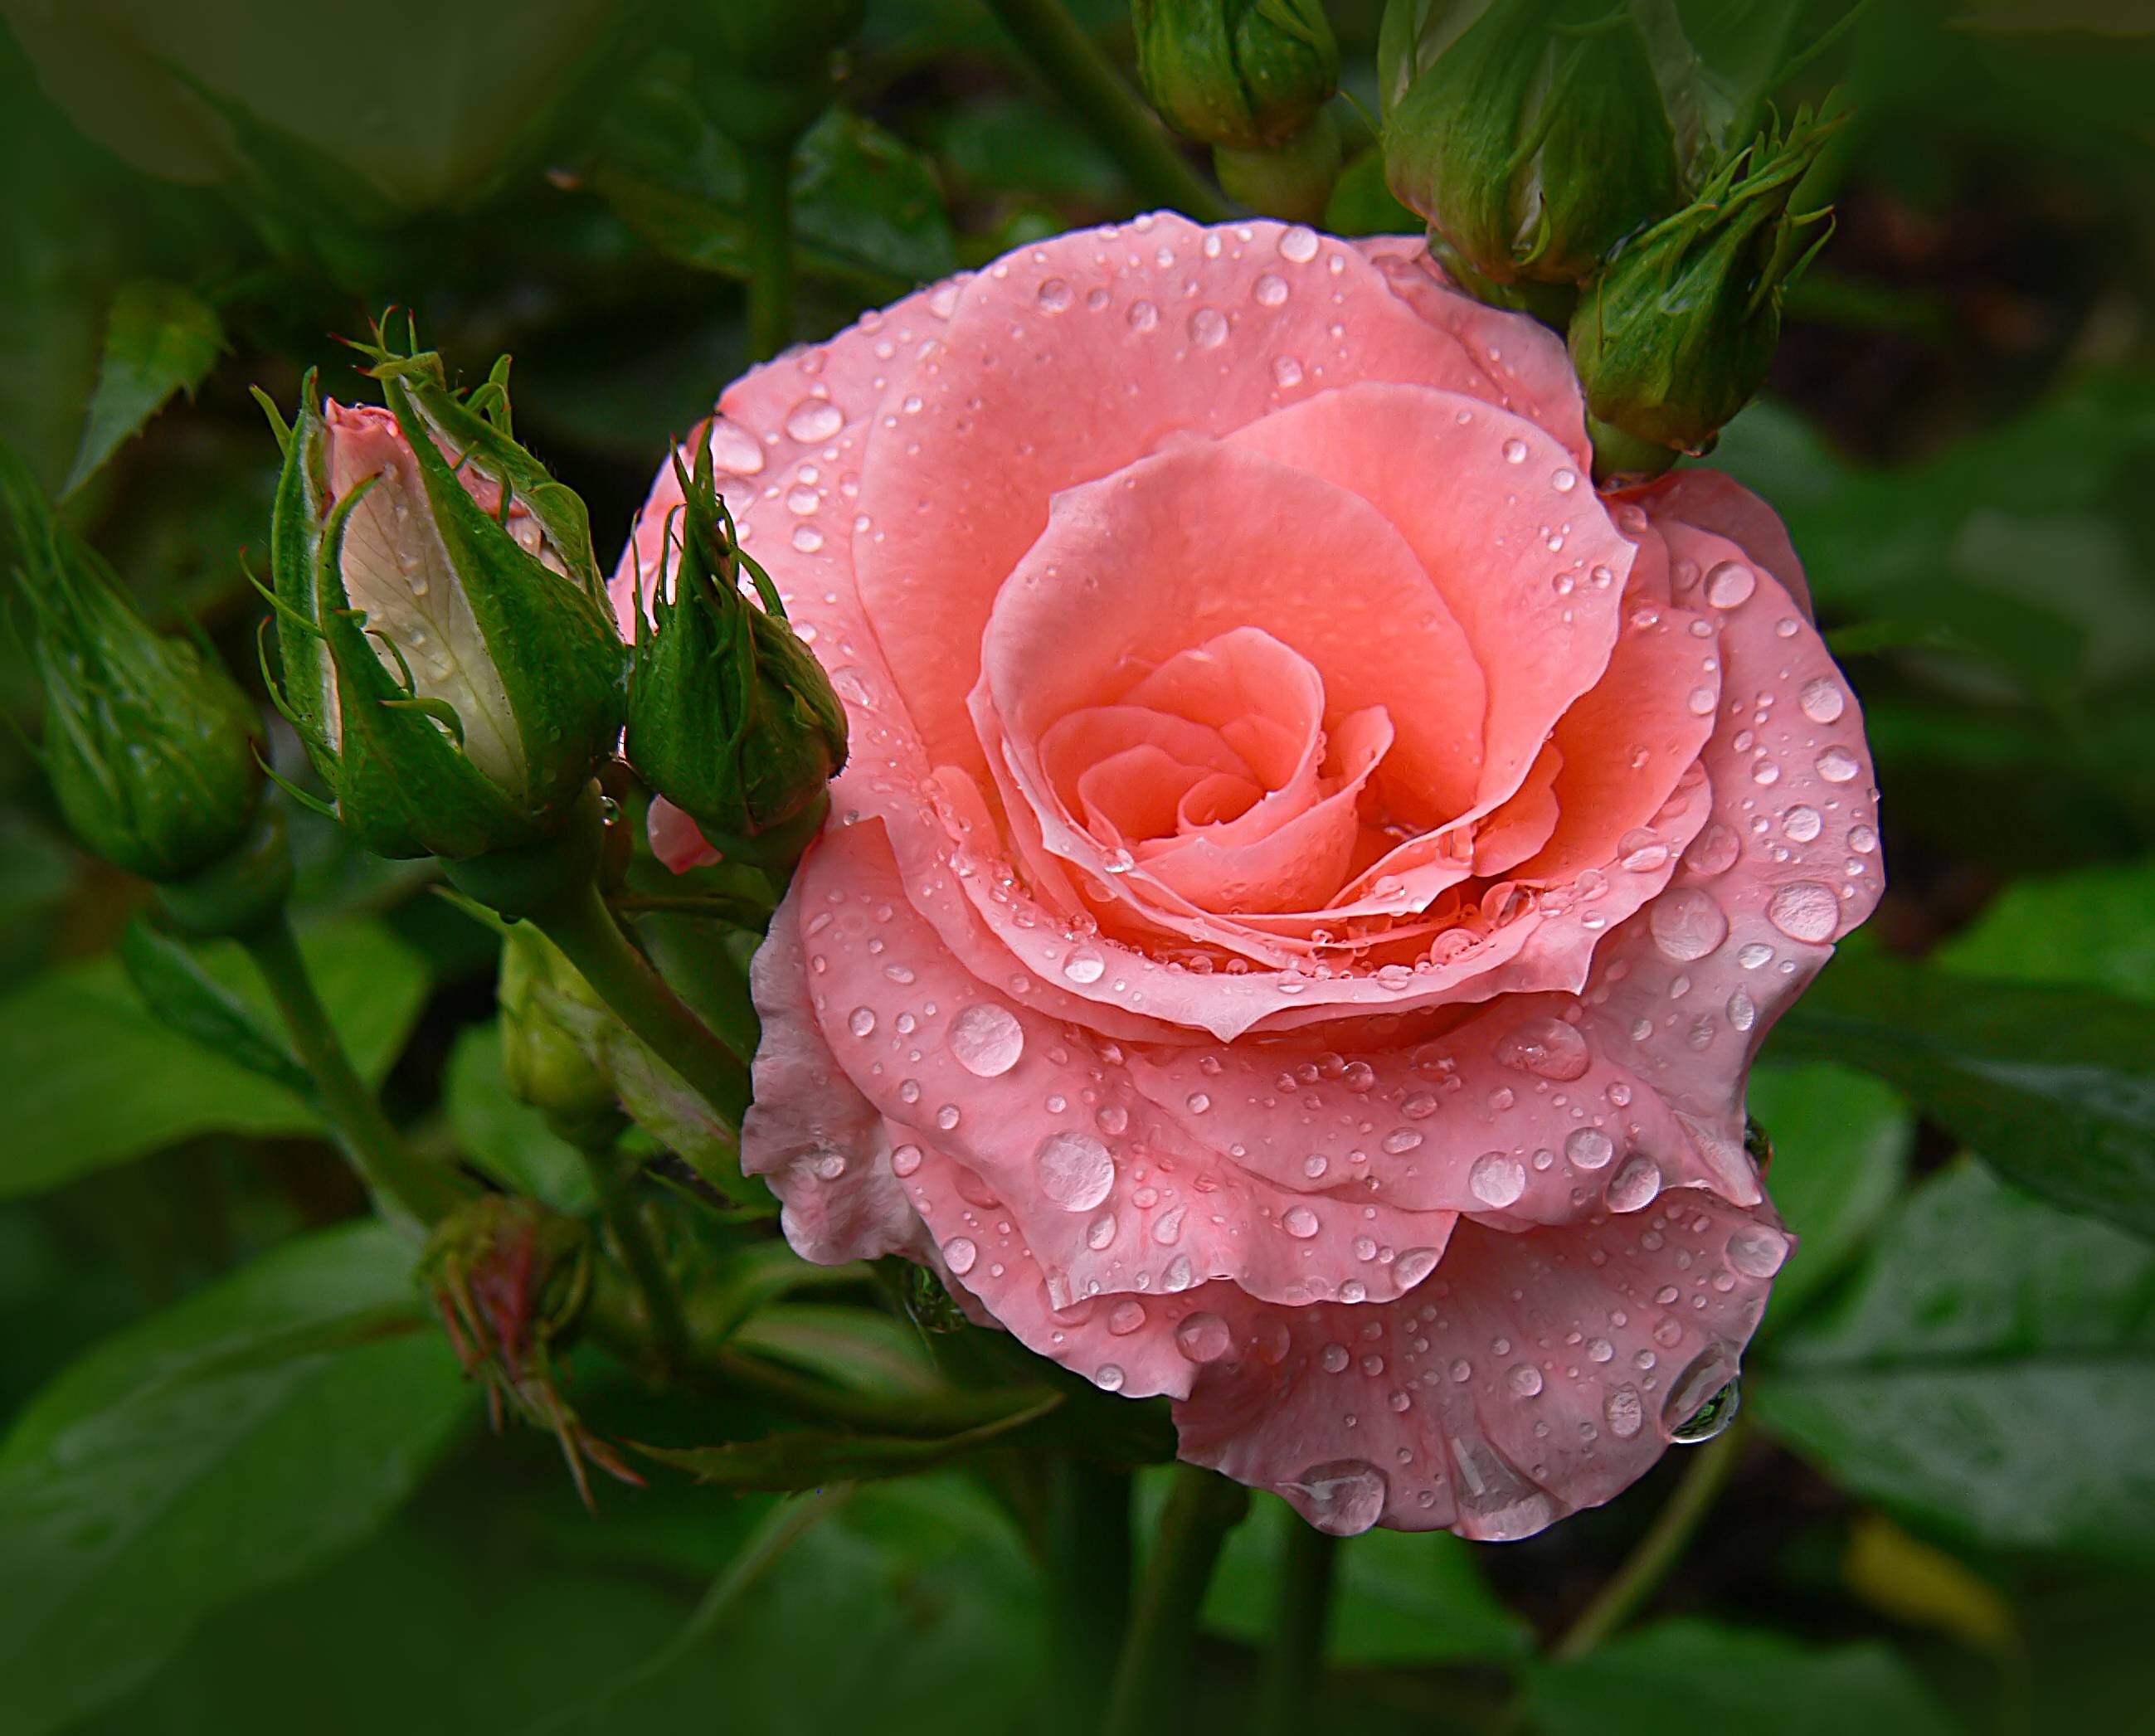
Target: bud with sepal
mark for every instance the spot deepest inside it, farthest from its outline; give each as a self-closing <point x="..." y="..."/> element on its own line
<point x="152" y="749"/>
<point x="1675" y="336"/>
<point x="1534" y="136"/>
<point x="449" y="655"/>
<point x="730" y="717"/>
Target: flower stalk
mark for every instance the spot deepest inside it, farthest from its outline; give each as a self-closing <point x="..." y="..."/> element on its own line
<point x="1152" y="1676"/>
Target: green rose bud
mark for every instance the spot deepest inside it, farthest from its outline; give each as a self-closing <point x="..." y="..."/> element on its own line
<point x="1676" y="335"/>
<point x="1248" y="75"/>
<point x="542" y="1059"/>
<point x="730" y="717"/>
<point x="1532" y="135"/>
<point x="150" y="748"/>
<point x="450" y="660"/>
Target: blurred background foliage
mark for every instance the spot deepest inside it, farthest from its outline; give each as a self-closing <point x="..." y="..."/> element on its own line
<point x="278" y="1508"/>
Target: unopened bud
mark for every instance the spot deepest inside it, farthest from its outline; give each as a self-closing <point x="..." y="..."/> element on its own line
<point x="450" y="660"/>
<point x="730" y="717"/>
<point x="150" y="745"/>
<point x="1249" y="75"/>
<point x="1676" y="336"/>
<point x="544" y="1063"/>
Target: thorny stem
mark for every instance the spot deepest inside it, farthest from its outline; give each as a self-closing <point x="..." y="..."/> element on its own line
<point x="394" y="1173"/>
<point x="1073" y="65"/>
<point x="1659" y="1550"/>
<point x="1152" y="1676"/>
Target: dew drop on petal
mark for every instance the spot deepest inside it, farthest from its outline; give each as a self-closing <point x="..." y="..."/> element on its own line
<point x="1110" y="1378"/>
<point x="1300" y="1222"/>
<point x="1204" y="1338"/>
<point x="1624" y="1412"/>
<point x="1297" y="245"/>
<point x="1208" y="328"/>
<point x="1589" y="1148"/>
<point x="1125" y="1318"/>
<point x="1756" y="1251"/>
<point x="1084" y="964"/>
<point x="1687" y="924"/>
<point x="1634" y="1186"/>
<point x="987" y="1040"/>
<point x="1498" y="1179"/>
<point x="1342" y="1498"/>
<point x="1547" y="1048"/>
<point x="1837" y="766"/>
<point x="1076" y="1170"/>
<point x="814" y="419"/>
<point x="904" y="1160"/>
<point x="1805" y="910"/>
<point x="1413" y="1265"/>
<point x="1821" y="699"/>
<point x="1730" y="584"/>
<point x="959" y="1254"/>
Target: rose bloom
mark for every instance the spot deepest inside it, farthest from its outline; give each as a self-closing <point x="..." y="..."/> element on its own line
<point x="1312" y="874"/>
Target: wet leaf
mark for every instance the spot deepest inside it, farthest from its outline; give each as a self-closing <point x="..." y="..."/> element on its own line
<point x="1991" y="1369"/>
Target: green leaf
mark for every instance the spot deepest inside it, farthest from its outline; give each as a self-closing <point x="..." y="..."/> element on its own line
<point x="1991" y="1370"/>
<point x="810" y="1460"/>
<point x="97" y="1080"/>
<point x="161" y="339"/>
<point x="231" y="1443"/>
<point x="190" y="1001"/>
<point x="1700" y="1675"/>
<point x="866" y="213"/>
<point x="508" y="1139"/>
<point x="1400" y="1598"/>
<point x="1840" y="1157"/>
<point x="2095" y="926"/>
<point x="2053" y="1086"/>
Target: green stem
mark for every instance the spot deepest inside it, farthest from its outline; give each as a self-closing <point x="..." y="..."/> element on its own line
<point x="1152" y="1676"/>
<point x="1659" y="1550"/>
<point x="1088" y="1583"/>
<point x="770" y="250"/>
<point x="1115" y="115"/>
<point x="389" y="1167"/>
<point x="617" y="1185"/>
<point x="1294" y="1666"/>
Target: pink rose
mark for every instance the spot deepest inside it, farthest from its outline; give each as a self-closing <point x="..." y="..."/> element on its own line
<point x="1312" y="876"/>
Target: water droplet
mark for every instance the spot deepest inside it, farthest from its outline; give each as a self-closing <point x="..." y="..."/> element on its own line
<point x="959" y="1254"/>
<point x="1624" y="1412"/>
<point x="1547" y="1048"/>
<point x="1498" y="1179"/>
<point x="1714" y="851"/>
<point x="1125" y="1318"/>
<point x="1515" y="452"/>
<point x="1730" y="584"/>
<point x="1332" y="1358"/>
<point x="1208" y="328"/>
<point x="1525" y="1380"/>
<point x="829" y="1166"/>
<point x="1837" y="766"/>
<point x="807" y="539"/>
<point x="1055" y="294"/>
<point x="904" y="1160"/>
<point x="1342" y="1498"/>
<point x="1742" y="1011"/>
<point x="1142" y="316"/>
<point x="1821" y="699"/>
<point x="1300" y="1222"/>
<point x="1076" y="1170"/>
<point x="1269" y="289"/>
<point x="1204" y="1338"/>
<point x="1287" y="372"/>
<point x="1497" y="1503"/>
<point x="1564" y="481"/>
<point x="1805" y="910"/>
<point x="1110" y="1378"/>
<point x="862" y="1022"/>
<point x="1298" y="245"/>
<point x="1862" y="839"/>
<point x="1100" y="1232"/>
<point x="1167" y="1228"/>
<point x="1401" y="1140"/>
<point x="1589" y="1148"/>
<point x="987" y="1040"/>
<point x="1703" y="1400"/>
<point x="733" y="448"/>
<point x="814" y="419"/>
<point x="1635" y="1186"/>
<point x="1686" y="923"/>
<point x="948" y="1117"/>
<point x="1413" y="1265"/>
<point x="1753" y="953"/>
<point x="1084" y="964"/>
<point x="1802" y="823"/>
<point x="1756" y="1251"/>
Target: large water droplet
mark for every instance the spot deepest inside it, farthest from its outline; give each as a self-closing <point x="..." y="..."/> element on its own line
<point x="1589" y="1148"/>
<point x="1300" y="1222"/>
<point x="1498" y="1179"/>
<point x="987" y="1040"/>
<point x="814" y="419"/>
<point x="959" y="1254"/>
<point x="1546" y="1046"/>
<point x="1837" y="766"/>
<point x="1624" y="1412"/>
<point x="733" y="448"/>
<point x="1703" y="1400"/>
<point x="1298" y="245"/>
<point x="1343" y="1498"/>
<point x="1634" y="1186"/>
<point x="1076" y="1170"/>
<point x="1125" y="1318"/>
<point x="1413" y="1265"/>
<point x="1756" y="1251"/>
<point x="1208" y="328"/>
<point x="1084" y="964"/>
<point x="1204" y="1338"/>
<point x="1497" y="1503"/>
<point x="1686" y="923"/>
<point x="1730" y="584"/>
<point x="1821" y="699"/>
<point x="1805" y="910"/>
